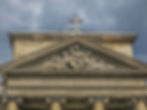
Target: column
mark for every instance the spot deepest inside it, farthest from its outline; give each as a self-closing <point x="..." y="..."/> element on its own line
<point x="140" y="105"/>
<point x="99" y="105"/>
<point x="12" y="105"/>
<point x="55" y="106"/>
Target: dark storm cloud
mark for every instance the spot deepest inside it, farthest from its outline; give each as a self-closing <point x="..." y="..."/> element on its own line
<point x="97" y="15"/>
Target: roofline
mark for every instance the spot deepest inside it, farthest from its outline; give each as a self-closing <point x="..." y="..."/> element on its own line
<point x="102" y="37"/>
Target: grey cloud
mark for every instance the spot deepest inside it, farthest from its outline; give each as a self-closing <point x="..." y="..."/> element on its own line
<point x="98" y="15"/>
<point x="16" y="13"/>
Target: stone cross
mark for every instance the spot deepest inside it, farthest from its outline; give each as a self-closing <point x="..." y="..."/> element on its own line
<point x="76" y="21"/>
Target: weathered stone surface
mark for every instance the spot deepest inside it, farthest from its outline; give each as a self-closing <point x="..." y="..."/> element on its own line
<point x="72" y="92"/>
<point x="74" y="58"/>
<point x="22" y="48"/>
<point x="123" y="48"/>
<point x="23" y="81"/>
<point x="78" y="82"/>
<point x="33" y="42"/>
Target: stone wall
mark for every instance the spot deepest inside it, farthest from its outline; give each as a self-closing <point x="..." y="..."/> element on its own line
<point x="124" y="48"/>
<point x="24" y="47"/>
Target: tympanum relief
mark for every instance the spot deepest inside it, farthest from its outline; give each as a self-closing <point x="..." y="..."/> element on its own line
<point x="76" y="57"/>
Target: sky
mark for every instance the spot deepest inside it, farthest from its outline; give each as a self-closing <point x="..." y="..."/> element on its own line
<point x="98" y="15"/>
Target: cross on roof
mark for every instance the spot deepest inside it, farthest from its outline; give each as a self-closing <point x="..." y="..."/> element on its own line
<point x="76" y="21"/>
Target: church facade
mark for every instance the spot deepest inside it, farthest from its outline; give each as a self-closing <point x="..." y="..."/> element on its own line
<point x="73" y="71"/>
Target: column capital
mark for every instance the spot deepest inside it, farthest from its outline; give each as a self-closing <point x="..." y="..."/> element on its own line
<point x="4" y="100"/>
<point x="19" y="100"/>
<point x="58" y="99"/>
<point x="48" y="100"/>
<point x="102" y="99"/>
<point x="137" y="99"/>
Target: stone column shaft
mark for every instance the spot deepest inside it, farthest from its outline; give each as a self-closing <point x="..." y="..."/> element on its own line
<point x="99" y="105"/>
<point x="55" y="106"/>
<point x="12" y="105"/>
<point x="140" y="105"/>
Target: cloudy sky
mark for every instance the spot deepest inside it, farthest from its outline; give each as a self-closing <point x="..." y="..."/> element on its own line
<point x="98" y="15"/>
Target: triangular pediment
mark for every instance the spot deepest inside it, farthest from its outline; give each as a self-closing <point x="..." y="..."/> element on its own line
<point x="75" y="57"/>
